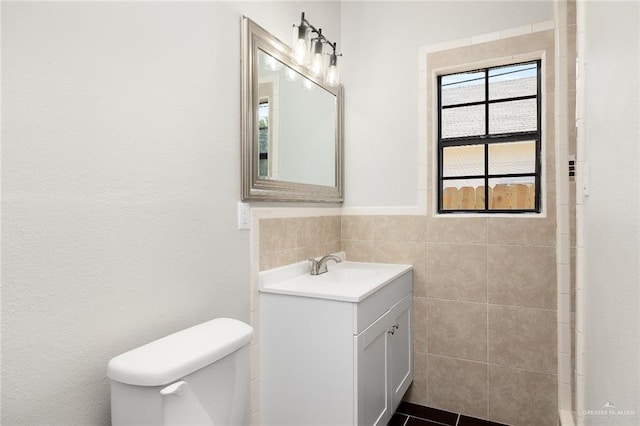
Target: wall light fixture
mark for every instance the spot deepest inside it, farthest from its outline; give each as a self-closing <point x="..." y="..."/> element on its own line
<point x="308" y="50"/>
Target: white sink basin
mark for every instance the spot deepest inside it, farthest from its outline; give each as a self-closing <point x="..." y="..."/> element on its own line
<point x="345" y="281"/>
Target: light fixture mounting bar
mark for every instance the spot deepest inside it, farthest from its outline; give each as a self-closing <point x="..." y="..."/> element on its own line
<point x="318" y="31"/>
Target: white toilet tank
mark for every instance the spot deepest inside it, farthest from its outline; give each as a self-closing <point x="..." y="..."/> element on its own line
<point x="197" y="376"/>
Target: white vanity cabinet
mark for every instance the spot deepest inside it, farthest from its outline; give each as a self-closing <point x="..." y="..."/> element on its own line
<point x="384" y="364"/>
<point x="335" y="362"/>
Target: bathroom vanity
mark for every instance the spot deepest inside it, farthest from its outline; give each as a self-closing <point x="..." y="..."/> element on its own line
<point x="335" y="349"/>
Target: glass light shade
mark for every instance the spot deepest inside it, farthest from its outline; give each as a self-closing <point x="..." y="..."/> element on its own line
<point x="317" y="58"/>
<point x="332" y="78"/>
<point x="300" y="50"/>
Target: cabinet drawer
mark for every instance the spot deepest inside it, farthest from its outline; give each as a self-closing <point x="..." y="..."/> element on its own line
<point x="371" y="308"/>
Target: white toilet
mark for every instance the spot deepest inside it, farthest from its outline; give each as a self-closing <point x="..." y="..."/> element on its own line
<point x="197" y="376"/>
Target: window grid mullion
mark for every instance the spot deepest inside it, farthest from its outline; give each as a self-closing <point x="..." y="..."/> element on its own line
<point x="490" y="101"/>
<point x="490" y="139"/>
<point x="440" y="148"/>
<point x="486" y="146"/>
<point x="539" y="139"/>
<point x="489" y="176"/>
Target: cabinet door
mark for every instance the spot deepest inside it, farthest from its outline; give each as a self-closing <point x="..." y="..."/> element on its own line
<point x="401" y="350"/>
<point x="372" y="373"/>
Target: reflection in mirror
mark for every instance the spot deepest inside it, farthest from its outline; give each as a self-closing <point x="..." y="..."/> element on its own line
<point x="292" y="126"/>
<point x="267" y="142"/>
<point x="302" y="147"/>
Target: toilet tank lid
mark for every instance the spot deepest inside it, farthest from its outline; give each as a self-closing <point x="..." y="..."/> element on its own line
<point x="174" y="356"/>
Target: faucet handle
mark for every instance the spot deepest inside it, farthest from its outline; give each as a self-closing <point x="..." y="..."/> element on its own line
<point x="314" y="266"/>
<point x="320" y="266"/>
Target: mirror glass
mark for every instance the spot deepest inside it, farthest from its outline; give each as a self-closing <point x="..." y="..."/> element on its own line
<point x="292" y="126"/>
<point x="297" y="126"/>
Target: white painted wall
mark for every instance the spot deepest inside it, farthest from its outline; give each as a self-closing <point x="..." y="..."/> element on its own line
<point x="120" y="161"/>
<point x="380" y="74"/>
<point x="611" y="302"/>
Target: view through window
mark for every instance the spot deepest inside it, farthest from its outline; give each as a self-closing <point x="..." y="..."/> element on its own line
<point x="489" y="140"/>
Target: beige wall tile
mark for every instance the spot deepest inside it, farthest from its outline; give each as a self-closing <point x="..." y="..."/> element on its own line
<point x="571" y="124"/>
<point x="332" y="247"/>
<point x="457" y="230"/>
<point x="523" y="338"/>
<point x="288" y="240"/>
<point x="305" y="253"/>
<point x="277" y="235"/>
<point x="269" y="235"/>
<point x="405" y="252"/>
<point x="464" y="55"/>
<point x="317" y="250"/>
<point x="419" y="364"/>
<point x="310" y="231"/>
<point x="549" y="140"/>
<point x="550" y="205"/>
<point x="572" y="215"/>
<point x="401" y="228"/>
<point x="571" y="114"/>
<point x="538" y="41"/>
<point x="522" y="398"/>
<point x="443" y="58"/>
<point x="420" y="270"/>
<point x="411" y="253"/>
<point x="417" y="392"/>
<point x="419" y="319"/>
<point x="274" y="260"/>
<point x="457" y="272"/>
<point x="452" y="318"/>
<point x="359" y="251"/>
<point x="457" y="329"/>
<point x="522" y="276"/>
<point x="358" y="227"/>
<point x="268" y="261"/>
<point x="522" y="231"/>
<point x="458" y="386"/>
<point x="573" y="351"/>
<point x="332" y="229"/>
<point x="571" y="57"/>
<point x="571" y="12"/>
<point x="396" y="252"/>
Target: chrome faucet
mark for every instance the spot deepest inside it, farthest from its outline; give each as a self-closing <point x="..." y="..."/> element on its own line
<point x="320" y="266"/>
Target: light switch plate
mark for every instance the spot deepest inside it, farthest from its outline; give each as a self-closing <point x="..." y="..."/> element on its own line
<point x="244" y="216"/>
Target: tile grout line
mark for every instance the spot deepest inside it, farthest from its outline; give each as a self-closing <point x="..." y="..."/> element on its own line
<point x="487" y="341"/>
<point x="409" y="416"/>
<point x="438" y="422"/>
<point x="490" y="304"/>
<point x="491" y="364"/>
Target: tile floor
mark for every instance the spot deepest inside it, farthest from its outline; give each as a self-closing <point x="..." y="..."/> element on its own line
<point x="409" y="414"/>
